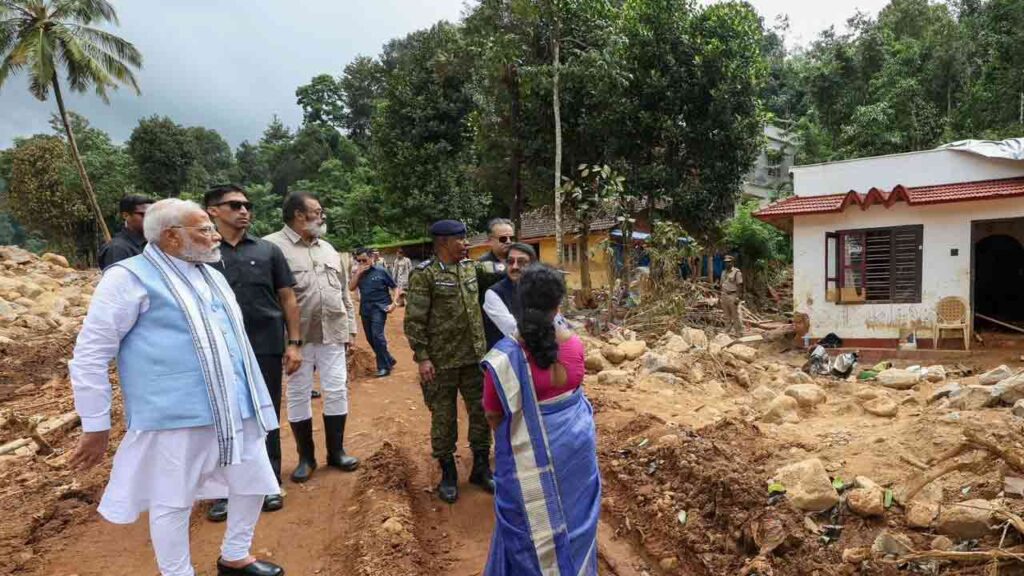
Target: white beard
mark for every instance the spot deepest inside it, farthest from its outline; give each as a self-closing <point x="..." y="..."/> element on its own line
<point x="191" y="253"/>
<point x="317" y="230"/>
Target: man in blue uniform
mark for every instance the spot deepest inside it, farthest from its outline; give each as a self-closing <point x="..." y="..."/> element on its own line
<point x="375" y="287"/>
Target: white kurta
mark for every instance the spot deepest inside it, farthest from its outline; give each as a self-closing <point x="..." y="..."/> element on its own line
<point x="169" y="467"/>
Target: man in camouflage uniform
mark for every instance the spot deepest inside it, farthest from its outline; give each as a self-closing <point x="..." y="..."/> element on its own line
<point x="445" y="330"/>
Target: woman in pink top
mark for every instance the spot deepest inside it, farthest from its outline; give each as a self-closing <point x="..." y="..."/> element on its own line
<point x="547" y="489"/>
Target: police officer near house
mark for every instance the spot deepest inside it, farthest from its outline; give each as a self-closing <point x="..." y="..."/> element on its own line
<point x="445" y="330"/>
<point x="732" y="296"/>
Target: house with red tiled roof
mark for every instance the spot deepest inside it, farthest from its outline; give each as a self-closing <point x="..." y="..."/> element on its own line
<point x="879" y="242"/>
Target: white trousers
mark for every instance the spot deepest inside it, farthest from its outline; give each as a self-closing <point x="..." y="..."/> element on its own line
<point x="329" y="361"/>
<point x="168" y="528"/>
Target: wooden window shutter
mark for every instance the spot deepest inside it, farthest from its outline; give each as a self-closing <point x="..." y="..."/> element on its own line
<point x="907" y="252"/>
<point x="832" y="267"/>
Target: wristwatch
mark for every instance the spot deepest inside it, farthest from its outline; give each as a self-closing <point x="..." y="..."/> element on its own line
<point x="295" y="343"/>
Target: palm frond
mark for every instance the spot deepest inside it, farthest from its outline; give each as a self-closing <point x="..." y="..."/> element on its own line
<point x="119" y="47"/>
<point x="84" y="11"/>
<point x="9" y="66"/>
<point x="41" y="64"/>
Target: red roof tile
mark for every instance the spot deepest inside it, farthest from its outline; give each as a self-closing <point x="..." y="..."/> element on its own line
<point x="922" y="195"/>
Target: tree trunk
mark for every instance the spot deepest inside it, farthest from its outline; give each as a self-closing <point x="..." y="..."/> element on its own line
<point x="90" y="196"/>
<point x="556" y="106"/>
<point x="517" y="148"/>
<point x="586" y="287"/>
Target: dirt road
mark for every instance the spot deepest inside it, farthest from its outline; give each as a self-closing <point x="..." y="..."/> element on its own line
<point x="312" y="535"/>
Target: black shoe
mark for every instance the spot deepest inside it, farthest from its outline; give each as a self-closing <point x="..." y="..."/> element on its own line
<point x="314" y="394"/>
<point x="481" y="474"/>
<point x="272" y="503"/>
<point x="303" y="432"/>
<point x="219" y="511"/>
<point x="257" y="568"/>
<point x="448" y="488"/>
<point x="383" y="373"/>
<point x="334" y="430"/>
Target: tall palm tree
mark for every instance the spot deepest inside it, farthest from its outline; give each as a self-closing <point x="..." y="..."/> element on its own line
<point x="42" y="36"/>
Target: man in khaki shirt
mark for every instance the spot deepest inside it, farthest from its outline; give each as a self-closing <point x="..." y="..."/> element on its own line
<point x="328" y="326"/>
<point x="732" y="296"/>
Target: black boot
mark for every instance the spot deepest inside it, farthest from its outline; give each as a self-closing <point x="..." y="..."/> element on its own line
<point x="481" y="474"/>
<point x="448" y="489"/>
<point x="303" y="432"/>
<point x="334" y="430"/>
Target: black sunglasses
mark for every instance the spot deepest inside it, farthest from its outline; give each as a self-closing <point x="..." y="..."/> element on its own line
<point x="236" y="205"/>
<point x="506" y="239"/>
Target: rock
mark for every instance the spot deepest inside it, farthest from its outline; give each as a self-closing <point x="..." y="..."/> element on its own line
<point x="865" y="482"/>
<point x="596" y="362"/>
<point x="942" y="543"/>
<point x="393" y="525"/>
<point x="781" y="410"/>
<point x="921" y="513"/>
<point x="1010" y="390"/>
<point x="856" y="555"/>
<point x="25" y="302"/>
<point x="974" y="397"/>
<point x="898" y="379"/>
<point x="695" y="338"/>
<point x="744" y="352"/>
<point x="670" y="440"/>
<point x="1018" y="408"/>
<point x="653" y="362"/>
<point x="800" y="377"/>
<point x="764" y="394"/>
<point x="743" y="378"/>
<point x="807" y="485"/>
<point x="34" y="323"/>
<point x="722" y="340"/>
<point x="806" y="395"/>
<point x="866" y="392"/>
<point x="867" y="501"/>
<point x="966" y="520"/>
<point x="614" y="378"/>
<point x="4" y="341"/>
<point x="944" y="391"/>
<point x="56" y="259"/>
<point x="669" y="563"/>
<point x="715" y="349"/>
<point x="935" y="373"/>
<point x="613" y="354"/>
<point x="696" y="373"/>
<point x="888" y="543"/>
<point x="16" y="255"/>
<point x="677" y="344"/>
<point x="995" y="375"/>
<point x="7" y="313"/>
<point x="882" y="406"/>
<point x="30" y="289"/>
<point x="633" y="349"/>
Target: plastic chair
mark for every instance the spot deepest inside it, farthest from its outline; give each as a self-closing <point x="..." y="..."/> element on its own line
<point x="951" y="314"/>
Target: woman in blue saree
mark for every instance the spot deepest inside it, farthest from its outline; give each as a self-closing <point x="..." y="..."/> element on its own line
<point x="547" y="497"/>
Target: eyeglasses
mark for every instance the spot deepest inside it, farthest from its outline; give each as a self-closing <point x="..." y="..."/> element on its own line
<point x="519" y="262"/>
<point x="207" y="230"/>
<point x="237" y="205"/>
<point x="505" y="239"/>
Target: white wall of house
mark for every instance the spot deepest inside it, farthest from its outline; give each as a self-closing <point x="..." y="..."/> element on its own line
<point x="946" y="227"/>
<point x="912" y="169"/>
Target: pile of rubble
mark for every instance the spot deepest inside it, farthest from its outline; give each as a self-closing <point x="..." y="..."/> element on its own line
<point x="40" y="295"/>
<point x="956" y="502"/>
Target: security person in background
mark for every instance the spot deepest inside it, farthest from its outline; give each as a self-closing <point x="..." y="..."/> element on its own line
<point x="375" y="287"/>
<point x="500" y="236"/>
<point x="732" y="296"/>
<point x="445" y="331"/>
<point x="129" y="241"/>
<point x="263" y="285"/>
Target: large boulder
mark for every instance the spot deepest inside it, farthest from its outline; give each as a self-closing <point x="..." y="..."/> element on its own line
<point x="800" y="377"/>
<point x="722" y="340"/>
<point x="633" y="349"/>
<point x="653" y="362"/>
<point x="921" y="513"/>
<point x="869" y="501"/>
<point x="764" y="394"/>
<point x="56" y="259"/>
<point x="1010" y="390"/>
<point x="974" y="397"/>
<point x="614" y="378"/>
<point x="898" y="379"/>
<point x="944" y="391"/>
<point x="967" y="520"/>
<point x="696" y="338"/>
<point x="995" y="375"/>
<point x="806" y="395"/>
<point x="743" y="352"/>
<point x="613" y="354"/>
<point x="7" y="313"/>
<point x="781" y="410"/>
<point x="808" y="486"/>
<point x="935" y="373"/>
<point x="882" y="406"/>
<point x="1018" y="408"/>
<point x="596" y="362"/>
<point x="676" y="343"/>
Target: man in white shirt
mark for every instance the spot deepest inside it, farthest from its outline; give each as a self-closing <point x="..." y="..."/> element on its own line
<point x="196" y="407"/>
<point x="501" y="302"/>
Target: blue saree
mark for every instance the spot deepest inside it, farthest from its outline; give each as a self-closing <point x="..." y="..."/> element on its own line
<point x="547" y="498"/>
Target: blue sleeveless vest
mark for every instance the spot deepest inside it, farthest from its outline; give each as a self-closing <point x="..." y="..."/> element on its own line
<point x="161" y="379"/>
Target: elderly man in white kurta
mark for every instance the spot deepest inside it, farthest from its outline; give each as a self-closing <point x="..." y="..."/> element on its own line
<point x="196" y="408"/>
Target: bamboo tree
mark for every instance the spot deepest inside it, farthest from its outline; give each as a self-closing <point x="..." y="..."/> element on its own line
<point x="41" y="35"/>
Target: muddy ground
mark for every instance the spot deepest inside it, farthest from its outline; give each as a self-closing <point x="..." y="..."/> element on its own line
<point x="693" y="444"/>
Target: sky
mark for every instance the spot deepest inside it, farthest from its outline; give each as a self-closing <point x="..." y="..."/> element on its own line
<point x="231" y="65"/>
